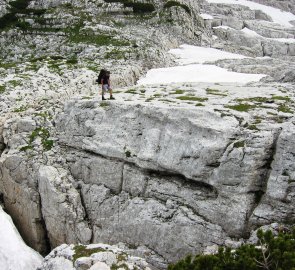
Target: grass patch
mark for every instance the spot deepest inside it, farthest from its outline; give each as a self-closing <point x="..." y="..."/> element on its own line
<point x="284" y="108"/>
<point x="44" y="115"/>
<point x="167" y="100"/>
<point x="72" y="61"/>
<point x="239" y="144"/>
<point x="8" y="65"/>
<point x="178" y="92"/>
<point x="104" y="104"/>
<point x="86" y="97"/>
<point x="99" y="40"/>
<point x="284" y="98"/>
<point x="115" y="54"/>
<point x="199" y="104"/>
<point x="241" y="107"/>
<point x="258" y="120"/>
<point x="25" y="148"/>
<point x="254" y="99"/>
<point x="44" y="134"/>
<point x="15" y="83"/>
<point x="253" y="127"/>
<point x="192" y="98"/>
<point x="2" y="89"/>
<point x="20" y="109"/>
<point x="47" y="144"/>
<point x="82" y="251"/>
<point x="122" y="257"/>
<point x="119" y="266"/>
<point x="131" y="91"/>
<point x="149" y="99"/>
<point x="215" y="92"/>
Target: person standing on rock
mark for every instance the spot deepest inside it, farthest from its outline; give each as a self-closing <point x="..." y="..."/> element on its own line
<point x="106" y="85"/>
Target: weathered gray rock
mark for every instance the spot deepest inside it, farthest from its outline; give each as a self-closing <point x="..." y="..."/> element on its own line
<point x="61" y="208"/>
<point x="277" y="202"/>
<point x="278" y="70"/>
<point x="21" y="199"/>
<point x="3" y="7"/>
<point x="156" y="178"/>
<point x="269" y="30"/>
<point x="289" y="76"/>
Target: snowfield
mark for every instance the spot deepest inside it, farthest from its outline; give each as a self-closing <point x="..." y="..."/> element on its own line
<point x="277" y="15"/>
<point x="192" y="69"/>
<point x="188" y="54"/>
<point x="14" y="253"/>
<point x="197" y="73"/>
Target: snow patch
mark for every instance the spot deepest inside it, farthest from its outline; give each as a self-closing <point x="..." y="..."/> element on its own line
<point x="250" y="32"/>
<point x="206" y="16"/>
<point x="14" y="253"/>
<point x="191" y="68"/>
<point x="285" y="40"/>
<point x="196" y="73"/>
<point x="222" y="27"/>
<point x="188" y="54"/>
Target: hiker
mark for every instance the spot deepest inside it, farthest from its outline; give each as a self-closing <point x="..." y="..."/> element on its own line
<point x="106" y="85"/>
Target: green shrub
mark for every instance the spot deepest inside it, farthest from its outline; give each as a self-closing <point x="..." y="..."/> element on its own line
<point x="19" y="5"/>
<point x="23" y="25"/>
<point x="142" y="7"/>
<point x="271" y="253"/>
<point x="137" y="7"/>
<point x="7" y="20"/>
<point x="127" y="153"/>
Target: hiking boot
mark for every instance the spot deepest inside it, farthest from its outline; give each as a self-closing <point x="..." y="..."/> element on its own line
<point x="111" y="97"/>
<point x="103" y="98"/>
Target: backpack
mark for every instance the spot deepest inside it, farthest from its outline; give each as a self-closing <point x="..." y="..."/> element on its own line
<point x="100" y="75"/>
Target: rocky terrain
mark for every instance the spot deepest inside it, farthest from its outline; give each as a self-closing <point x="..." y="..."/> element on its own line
<point x="166" y="169"/>
<point x="92" y="257"/>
